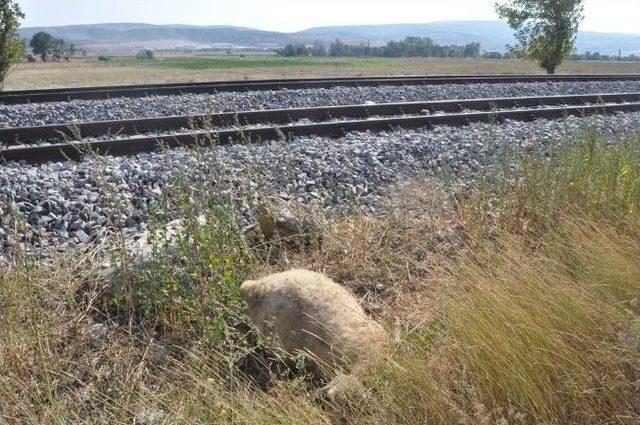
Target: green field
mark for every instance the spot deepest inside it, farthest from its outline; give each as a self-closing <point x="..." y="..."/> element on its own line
<point x="234" y="62"/>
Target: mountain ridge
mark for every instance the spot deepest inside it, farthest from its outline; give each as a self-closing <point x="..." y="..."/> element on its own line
<point x="493" y="35"/>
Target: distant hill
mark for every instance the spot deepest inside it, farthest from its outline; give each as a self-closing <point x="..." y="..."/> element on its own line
<point x="162" y="36"/>
<point x="493" y="35"/>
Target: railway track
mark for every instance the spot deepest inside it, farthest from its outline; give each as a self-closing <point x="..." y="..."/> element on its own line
<point x="78" y="131"/>
<point x="107" y="92"/>
<point x="286" y="122"/>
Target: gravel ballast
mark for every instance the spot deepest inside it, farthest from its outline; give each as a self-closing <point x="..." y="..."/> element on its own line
<point x="157" y="106"/>
<point x="61" y="205"/>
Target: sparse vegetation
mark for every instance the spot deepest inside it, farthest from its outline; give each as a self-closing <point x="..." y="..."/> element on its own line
<point x="517" y="303"/>
<point x="172" y="67"/>
<point x="12" y="47"/>
<point x="545" y="30"/>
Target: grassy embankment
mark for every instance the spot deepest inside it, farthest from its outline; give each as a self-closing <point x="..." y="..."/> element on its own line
<point x="516" y="304"/>
<point x="193" y="67"/>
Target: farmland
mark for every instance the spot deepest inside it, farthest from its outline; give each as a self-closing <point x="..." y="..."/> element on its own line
<point x="125" y="69"/>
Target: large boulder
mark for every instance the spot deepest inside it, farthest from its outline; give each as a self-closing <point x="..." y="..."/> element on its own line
<point x="310" y="313"/>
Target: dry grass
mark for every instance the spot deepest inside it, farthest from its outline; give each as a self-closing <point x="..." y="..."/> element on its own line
<point x="491" y="323"/>
<point x="395" y="255"/>
<point x="90" y="72"/>
<point x="520" y="337"/>
<point x="547" y="337"/>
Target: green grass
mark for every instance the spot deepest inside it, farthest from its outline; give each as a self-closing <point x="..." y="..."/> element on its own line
<point x="232" y="62"/>
<point x="585" y="176"/>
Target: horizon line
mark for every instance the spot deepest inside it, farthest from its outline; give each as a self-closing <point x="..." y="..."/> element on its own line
<point x="303" y="30"/>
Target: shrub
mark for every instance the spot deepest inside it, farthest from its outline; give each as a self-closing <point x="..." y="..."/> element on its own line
<point x="190" y="289"/>
<point x="145" y="54"/>
<point x="103" y="58"/>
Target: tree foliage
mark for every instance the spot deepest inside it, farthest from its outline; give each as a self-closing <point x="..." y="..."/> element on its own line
<point x="12" y="47"/>
<point x="45" y="44"/>
<point x="409" y="47"/>
<point x="145" y="54"/>
<point x="545" y="30"/>
<point x="294" y="50"/>
<point x="597" y="56"/>
<point x="42" y="43"/>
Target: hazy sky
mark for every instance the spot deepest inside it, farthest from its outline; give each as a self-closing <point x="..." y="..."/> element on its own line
<point x="294" y="15"/>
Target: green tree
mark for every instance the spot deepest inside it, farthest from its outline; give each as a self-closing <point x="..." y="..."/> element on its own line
<point x="545" y="30"/>
<point x="12" y="47"/>
<point x="145" y="54"/>
<point x="42" y="43"/>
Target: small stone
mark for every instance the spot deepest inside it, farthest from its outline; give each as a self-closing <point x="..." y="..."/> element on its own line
<point x="149" y="416"/>
<point x="76" y="225"/>
<point x="130" y="222"/>
<point x="82" y="236"/>
<point x="96" y="332"/>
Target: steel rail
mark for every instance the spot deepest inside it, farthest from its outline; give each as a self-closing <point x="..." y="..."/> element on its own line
<point x="77" y="131"/>
<point x="207" y="83"/>
<point x="75" y="151"/>
<point x="107" y="92"/>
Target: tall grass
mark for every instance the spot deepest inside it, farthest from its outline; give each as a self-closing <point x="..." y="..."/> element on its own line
<point x="550" y="333"/>
<point x="520" y="305"/>
<point x="589" y="175"/>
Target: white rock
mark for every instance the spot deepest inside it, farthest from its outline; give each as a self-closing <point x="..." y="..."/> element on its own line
<point x="310" y="313"/>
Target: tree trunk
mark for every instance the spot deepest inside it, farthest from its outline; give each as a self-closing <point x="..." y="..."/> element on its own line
<point x="1" y="82"/>
<point x="551" y="70"/>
